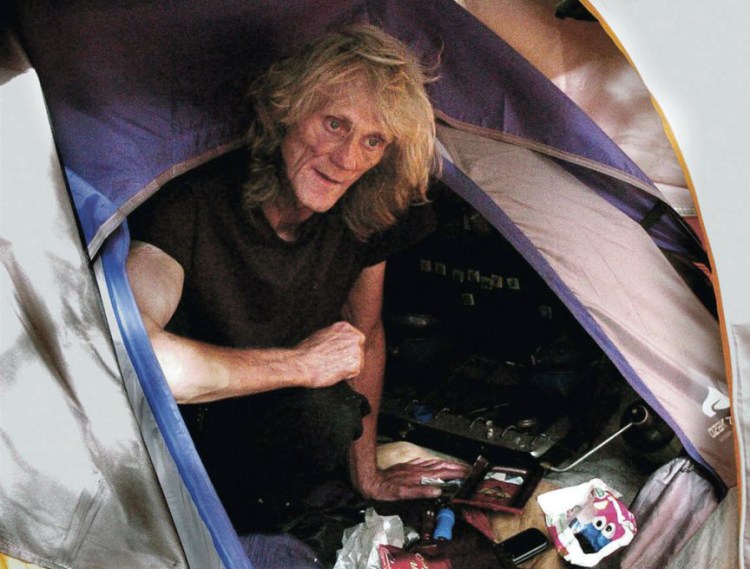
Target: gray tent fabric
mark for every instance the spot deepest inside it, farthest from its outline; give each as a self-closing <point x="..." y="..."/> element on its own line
<point x="77" y="488"/>
<point x="633" y="295"/>
<point x="677" y="496"/>
<point x="199" y="548"/>
<point x="715" y="544"/>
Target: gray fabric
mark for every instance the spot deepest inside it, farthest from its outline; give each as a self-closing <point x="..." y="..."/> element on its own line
<point x="690" y="64"/>
<point x="676" y="497"/>
<point x="715" y="545"/>
<point x="77" y="488"/>
<point x="616" y="271"/>
<point x="279" y="552"/>
<point x="196" y="541"/>
<point x="739" y="341"/>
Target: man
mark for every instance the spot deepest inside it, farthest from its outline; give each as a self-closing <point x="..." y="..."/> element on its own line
<point x="260" y="276"/>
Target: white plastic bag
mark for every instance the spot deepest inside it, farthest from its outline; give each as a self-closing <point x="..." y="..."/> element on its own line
<point x="360" y="543"/>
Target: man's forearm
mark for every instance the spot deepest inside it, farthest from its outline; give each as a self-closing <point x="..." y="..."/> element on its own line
<point x="363" y="459"/>
<point x="198" y="372"/>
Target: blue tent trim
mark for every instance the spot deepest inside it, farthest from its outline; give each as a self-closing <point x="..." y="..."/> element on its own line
<point x="163" y="406"/>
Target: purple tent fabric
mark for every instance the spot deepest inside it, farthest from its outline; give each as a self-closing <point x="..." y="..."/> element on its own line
<point x="279" y="552"/>
<point x="140" y="92"/>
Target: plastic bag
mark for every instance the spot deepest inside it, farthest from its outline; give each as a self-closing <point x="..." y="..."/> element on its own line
<point x="360" y="543"/>
<point x="587" y="522"/>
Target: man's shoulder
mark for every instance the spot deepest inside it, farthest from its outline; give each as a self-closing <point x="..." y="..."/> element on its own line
<point x="207" y="185"/>
<point x="226" y="168"/>
<point x="415" y="224"/>
<point x="211" y="187"/>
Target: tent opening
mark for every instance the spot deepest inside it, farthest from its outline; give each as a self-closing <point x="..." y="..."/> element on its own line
<point x="483" y="357"/>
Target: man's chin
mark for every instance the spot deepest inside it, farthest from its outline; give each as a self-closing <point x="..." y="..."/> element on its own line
<point x="316" y="206"/>
<point x="319" y="208"/>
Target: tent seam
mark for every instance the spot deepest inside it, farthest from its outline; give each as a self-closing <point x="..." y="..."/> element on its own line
<point x="494" y="134"/>
<point x="115" y="220"/>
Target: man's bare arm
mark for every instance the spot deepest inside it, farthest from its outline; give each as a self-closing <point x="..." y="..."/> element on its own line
<point x="199" y="372"/>
<point x="400" y="481"/>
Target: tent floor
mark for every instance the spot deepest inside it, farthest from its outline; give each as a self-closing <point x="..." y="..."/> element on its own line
<point x="619" y="465"/>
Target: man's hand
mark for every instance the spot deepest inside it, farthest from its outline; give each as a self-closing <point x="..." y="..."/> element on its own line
<point x="330" y="355"/>
<point x="404" y="481"/>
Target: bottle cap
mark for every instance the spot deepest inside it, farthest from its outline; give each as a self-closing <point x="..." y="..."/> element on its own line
<point x="444" y="524"/>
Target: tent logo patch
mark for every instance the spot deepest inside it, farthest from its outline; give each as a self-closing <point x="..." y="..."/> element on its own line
<point x="715" y="401"/>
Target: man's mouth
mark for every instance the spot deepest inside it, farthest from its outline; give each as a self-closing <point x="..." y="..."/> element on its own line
<point x="327" y="178"/>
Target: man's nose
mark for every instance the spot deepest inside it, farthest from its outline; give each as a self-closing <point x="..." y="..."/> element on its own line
<point x="345" y="154"/>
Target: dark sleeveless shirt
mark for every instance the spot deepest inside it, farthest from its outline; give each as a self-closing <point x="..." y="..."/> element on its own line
<point x="244" y="286"/>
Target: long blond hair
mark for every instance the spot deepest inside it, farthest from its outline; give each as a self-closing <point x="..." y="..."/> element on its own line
<point x="297" y="86"/>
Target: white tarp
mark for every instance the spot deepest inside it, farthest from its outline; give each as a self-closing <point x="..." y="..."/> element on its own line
<point x="77" y="488"/>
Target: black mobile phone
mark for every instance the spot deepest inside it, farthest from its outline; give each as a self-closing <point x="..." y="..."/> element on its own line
<point x="522" y="546"/>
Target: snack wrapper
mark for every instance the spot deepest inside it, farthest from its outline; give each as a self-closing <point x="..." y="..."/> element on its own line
<point x="392" y="557"/>
<point x="587" y="522"/>
<point x="503" y="489"/>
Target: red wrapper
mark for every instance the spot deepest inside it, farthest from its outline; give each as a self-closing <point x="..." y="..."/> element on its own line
<point x="392" y="557"/>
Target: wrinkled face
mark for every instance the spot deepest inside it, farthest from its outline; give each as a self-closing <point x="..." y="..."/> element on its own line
<point x="325" y="153"/>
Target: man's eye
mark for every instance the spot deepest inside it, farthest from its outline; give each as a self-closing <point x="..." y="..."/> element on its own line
<point x="374" y="142"/>
<point x="334" y="124"/>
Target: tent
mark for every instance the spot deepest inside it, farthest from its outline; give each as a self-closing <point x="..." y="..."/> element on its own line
<point x="97" y="467"/>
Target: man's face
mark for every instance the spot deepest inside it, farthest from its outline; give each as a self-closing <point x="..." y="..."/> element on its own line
<point x="326" y="152"/>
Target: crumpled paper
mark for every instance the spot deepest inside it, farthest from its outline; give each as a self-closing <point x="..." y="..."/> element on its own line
<point x="360" y="542"/>
<point x="587" y="522"/>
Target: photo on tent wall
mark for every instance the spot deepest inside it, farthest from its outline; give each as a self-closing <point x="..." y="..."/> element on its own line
<point x="484" y="358"/>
